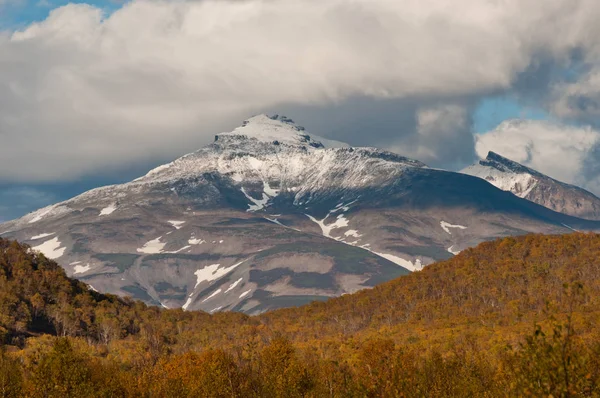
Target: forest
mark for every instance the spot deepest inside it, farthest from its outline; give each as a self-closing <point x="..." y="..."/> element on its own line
<point x="515" y="317"/>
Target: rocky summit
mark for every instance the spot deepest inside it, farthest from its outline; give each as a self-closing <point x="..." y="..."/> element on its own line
<point x="270" y="216"/>
<point x="532" y="185"/>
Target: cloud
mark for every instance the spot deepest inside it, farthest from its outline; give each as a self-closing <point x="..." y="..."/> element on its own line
<point x="443" y="136"/>
<point x="82" y="92"/>
<point x="566" y="153"/>
<point x="438" y="134"/>
<point x="578" y="100"/>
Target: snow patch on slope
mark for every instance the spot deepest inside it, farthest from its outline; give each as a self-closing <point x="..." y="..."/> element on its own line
<point x="271" y="192"/>
<point x="40" y="236"/>
<point x="446" y="226"/>
<point x="154" y="246"/>
<point x="79" y="269"/>
<point x="326" y="229"/>
<point x="343" y="207"/>
<point x="213" y="272"/>
<point x="196" y="241"/>
<point x="451" y="250"/>
<point x="176" y="224"/>
<point x="259" y="204"/>
<point x="276" y="221"/>
<point x="342" y="222"/>
<point x="108" y="210"/>
<point x="417" y="266"/>
<point x="212" y="295"/>
<point x="51" y="249"/>
<point x="37" y="216"/>
<point x="267" y="194"/>
<point x="179" y="251"/>
<point x="352" y="232"/>
<point x="187" y="303"/>
<point x="571" y="228"/>
<point x="233" y="285"/>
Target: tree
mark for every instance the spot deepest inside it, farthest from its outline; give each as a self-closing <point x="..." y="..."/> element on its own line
<point x="62" y="373"/>
<point x="554" y="363"/>
<point x="11" y="378"/>
<point x="281" y="374"/>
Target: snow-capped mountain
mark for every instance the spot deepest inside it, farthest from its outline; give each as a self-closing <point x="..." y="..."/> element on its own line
<point x="532" y="185"/>
<point x="270" y="216"/>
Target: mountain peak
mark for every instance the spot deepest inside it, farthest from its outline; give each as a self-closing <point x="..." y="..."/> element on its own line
<point x="532" y="185"/>
<point x="278" y="129"/>
<point x="495" y="156"/>
<point x="502" y="163"/>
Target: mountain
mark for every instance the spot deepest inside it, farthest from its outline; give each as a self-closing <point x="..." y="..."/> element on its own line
<point x="532" y="185"/>
<point x="268" y="216"/>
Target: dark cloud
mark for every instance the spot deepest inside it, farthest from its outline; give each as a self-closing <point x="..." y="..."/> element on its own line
<point x="357" y="121"/>
<point x="17" y="199"/>
<point x="437" y="133"/>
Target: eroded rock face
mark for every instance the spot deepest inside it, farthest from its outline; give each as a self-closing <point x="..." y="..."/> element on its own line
<point x="270" y="216"/>
<point x="534" y="186"/>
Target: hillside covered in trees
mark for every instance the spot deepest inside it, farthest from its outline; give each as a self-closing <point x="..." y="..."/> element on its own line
<point x="515" y="317"/>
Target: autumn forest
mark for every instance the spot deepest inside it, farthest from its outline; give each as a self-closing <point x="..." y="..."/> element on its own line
<point x="514" y="317"/>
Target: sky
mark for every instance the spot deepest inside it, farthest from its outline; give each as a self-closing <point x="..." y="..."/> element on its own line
<point x="95" y="93"/>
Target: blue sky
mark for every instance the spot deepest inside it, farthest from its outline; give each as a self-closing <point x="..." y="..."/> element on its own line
<point x="16" y="14"/>
<point x="493" y="110"/>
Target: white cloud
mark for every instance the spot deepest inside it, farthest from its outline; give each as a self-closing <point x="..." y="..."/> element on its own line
<point x="81" y="93"/>
<point x="554" y="149"/>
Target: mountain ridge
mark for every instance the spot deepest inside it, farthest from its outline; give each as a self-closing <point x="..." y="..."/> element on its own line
<point x="535" y="186"/>
<point x="251" y="223"/>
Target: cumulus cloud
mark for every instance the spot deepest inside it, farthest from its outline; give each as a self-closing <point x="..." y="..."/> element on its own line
<point x="441" y="136"/>
<point x="438" y="134"/>
<point x="444" y="135"/>
<point x="566" y="153"/>
<point x="578" y="100"/>
<point x="82" y="92"/>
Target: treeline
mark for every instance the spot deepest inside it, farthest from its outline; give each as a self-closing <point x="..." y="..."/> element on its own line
<point x="516" y="317"/>
<point x="544" y="366"/>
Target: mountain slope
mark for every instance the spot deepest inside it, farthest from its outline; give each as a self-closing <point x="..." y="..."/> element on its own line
<point x="534" y="186"/>
<point x="267" y="216"/>
<point x="503" y="283"/>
